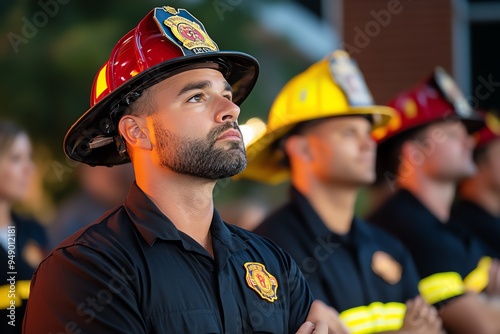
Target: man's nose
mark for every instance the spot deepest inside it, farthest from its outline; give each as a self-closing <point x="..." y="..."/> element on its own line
<point x="368" y="143"/>
<point x="227" y="111"/>
<point x="470" y="142"/>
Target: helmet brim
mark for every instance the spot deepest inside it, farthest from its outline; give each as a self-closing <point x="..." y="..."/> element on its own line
<point x="472" y="123"/>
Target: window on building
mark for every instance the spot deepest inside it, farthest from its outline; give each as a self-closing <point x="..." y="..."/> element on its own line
<point x="484" y="29"/>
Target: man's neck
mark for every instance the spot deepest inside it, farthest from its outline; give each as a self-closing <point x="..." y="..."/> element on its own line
<point x="187" y="201"/>
<point x="477" y="191"/>
<point x="437" y="196"/>
<point x="334" y="204"/>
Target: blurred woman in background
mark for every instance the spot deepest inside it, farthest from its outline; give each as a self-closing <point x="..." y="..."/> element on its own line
<point x="22" y="241"/>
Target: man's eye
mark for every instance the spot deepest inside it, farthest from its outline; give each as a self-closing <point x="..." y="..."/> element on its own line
<point x="196" y="98"/>
<point x="349" y="132"/>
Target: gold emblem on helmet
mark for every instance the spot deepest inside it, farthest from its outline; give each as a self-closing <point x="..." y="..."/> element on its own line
<point x="190" y="34"/>
<point x="347" y="75"/>
<point x="452" y="93"/>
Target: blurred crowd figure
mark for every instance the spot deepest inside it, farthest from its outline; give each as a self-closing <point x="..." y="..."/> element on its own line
<point x="478" y="205"/>
<point x="100" y="189"/>
<point x="23" y="241"/>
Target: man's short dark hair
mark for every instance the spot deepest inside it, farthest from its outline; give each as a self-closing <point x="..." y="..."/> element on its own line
<point x="389" y="152"/>
<point x="142" y="106"/>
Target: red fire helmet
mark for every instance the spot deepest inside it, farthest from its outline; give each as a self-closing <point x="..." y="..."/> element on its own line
<point x="164" y="43"/>
<point x="491" y="131"/>
<point x="436" y="99"/>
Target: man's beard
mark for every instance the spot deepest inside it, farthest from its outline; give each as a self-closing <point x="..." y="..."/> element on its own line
<point x="200" y="157"/>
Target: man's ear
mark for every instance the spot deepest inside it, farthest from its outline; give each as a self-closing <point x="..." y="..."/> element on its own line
<point x="297" y="146"/>
<point x="135" y="132"/>
<point x="407" y="148"/>
<point x="411" y="152"/>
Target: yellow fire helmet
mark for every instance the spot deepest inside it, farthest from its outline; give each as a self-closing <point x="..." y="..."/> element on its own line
<point x="333" y="86"/>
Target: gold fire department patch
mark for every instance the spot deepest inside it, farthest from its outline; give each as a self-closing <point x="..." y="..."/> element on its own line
<point x="260" y="280"/>
<point x="386" y="267"/>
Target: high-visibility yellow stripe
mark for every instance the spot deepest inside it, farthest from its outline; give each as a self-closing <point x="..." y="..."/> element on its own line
<point x="376" y="317"/>
<point x="22" y="291"/>
<point x="477" y="280"/>
<point x="441" y="286"/>
<point x="101" y="83"/>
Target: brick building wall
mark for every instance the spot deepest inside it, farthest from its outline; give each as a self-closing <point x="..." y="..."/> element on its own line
<point x="397" y="43"/>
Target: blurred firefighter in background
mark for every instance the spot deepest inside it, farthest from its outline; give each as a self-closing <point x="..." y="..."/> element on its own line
<point x="319" y="135"/>
<point x="423" y="153"/>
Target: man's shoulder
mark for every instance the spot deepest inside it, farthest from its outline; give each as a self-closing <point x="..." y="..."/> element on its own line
<point x="400" y="211"/>
<point x="470" y="213"/>
<point x="109" y="241"/>
<point x="381" y="238"/>
<point x="99" y="233"/>
<point x="250" y="237"/>
<point x="279" y="222"/>
<point x="375" y="232"/>
<point x="260" y="244"/>
<point x="398" y="203"/>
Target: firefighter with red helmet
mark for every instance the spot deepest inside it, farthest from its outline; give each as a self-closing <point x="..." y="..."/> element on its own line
<point x="319" y="136"/>
<point x="423" y="152"/>
<point x="164" y="261"/>
<point x="478" y="204"/>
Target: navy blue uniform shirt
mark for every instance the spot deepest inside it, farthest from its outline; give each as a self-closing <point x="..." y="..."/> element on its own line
<point x="447" y="259"/>
<point x="479" y="222"/>
<point x="133" y="272"/>
<point x="367" y="274"/>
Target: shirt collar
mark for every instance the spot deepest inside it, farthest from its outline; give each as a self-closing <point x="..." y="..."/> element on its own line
<point x="314" y="221"/>
<point x="473" y="211"/>
<point x="407" y="196"/>
<point x="152" y="224"/>
<point x="232" y="238"/>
